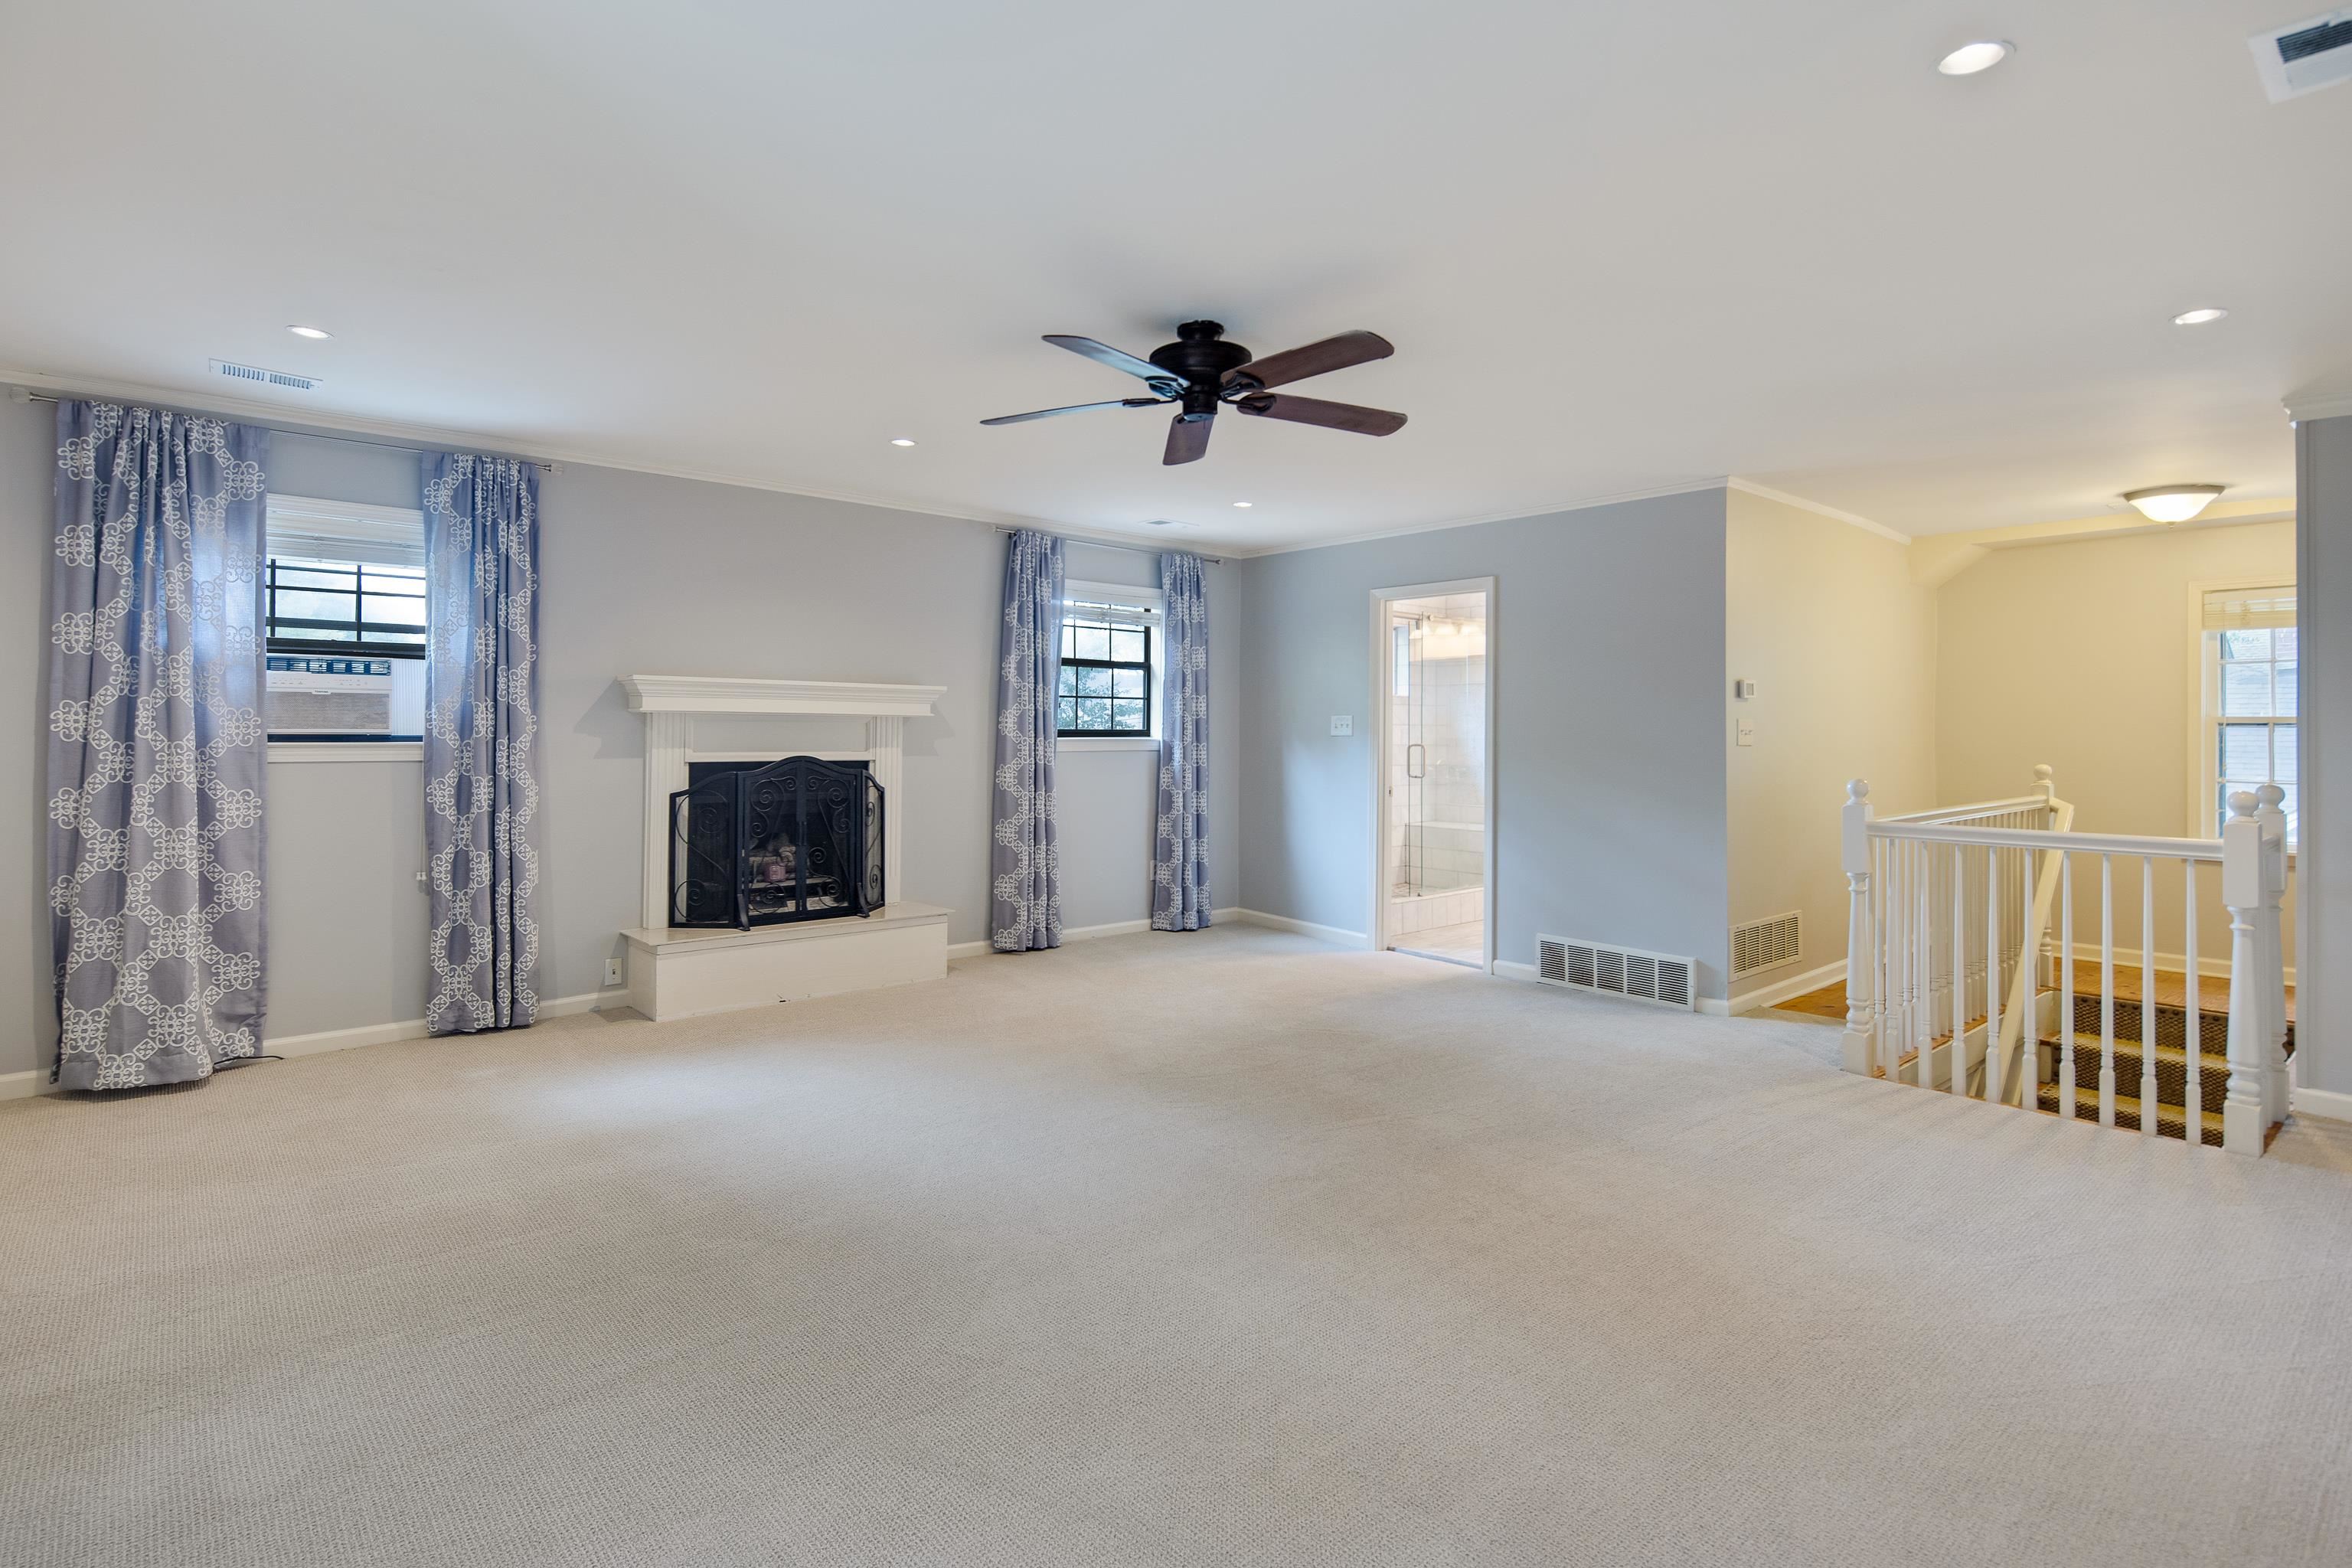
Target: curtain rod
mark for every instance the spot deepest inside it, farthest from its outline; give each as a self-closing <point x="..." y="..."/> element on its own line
<point x="29" y="395"/>
<point x="1107" y="544"/>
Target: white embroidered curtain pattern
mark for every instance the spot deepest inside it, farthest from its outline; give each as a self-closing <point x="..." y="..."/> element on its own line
<point x="481" y="740"/>
<point x="156" y="756"/>
<point x="1025" y="908"/>
<point x="1179" y="851"/>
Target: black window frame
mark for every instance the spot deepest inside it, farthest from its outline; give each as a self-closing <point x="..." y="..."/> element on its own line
<point x="1142" y="665"/>
<point x="359" y="645"/>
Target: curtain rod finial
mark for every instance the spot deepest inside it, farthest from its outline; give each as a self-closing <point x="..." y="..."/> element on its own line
<point x="19" y="395"/>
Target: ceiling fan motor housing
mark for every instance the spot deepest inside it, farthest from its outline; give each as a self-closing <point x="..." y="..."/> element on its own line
<point x="1202" y="356"/>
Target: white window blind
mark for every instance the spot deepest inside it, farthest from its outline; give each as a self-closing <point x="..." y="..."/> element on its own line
<point x="1110" y="613"/>
<point x="2249" y="609"/>
<point x="301" y="528"/>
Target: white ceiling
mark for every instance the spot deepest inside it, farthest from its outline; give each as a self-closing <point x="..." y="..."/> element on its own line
<point x="1619" y="247"/>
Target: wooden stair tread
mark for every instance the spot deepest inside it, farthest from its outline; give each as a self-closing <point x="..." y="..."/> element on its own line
<point x="2170" y="1119"/>
<point x="2212" y="1061"/>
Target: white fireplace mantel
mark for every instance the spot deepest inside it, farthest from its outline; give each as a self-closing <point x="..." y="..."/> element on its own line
<point x="752" y="695"/>
<point x="670" y="704"/>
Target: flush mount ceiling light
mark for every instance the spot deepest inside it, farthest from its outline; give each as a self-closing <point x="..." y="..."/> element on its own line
<point x="1244" y="505"/>
<point x="2172" y="503"/>
<point x="900" y="441"/>
<point x="311" y="332"/>
<point x="1980" y="56"/>
<point x="2200" y="316"/>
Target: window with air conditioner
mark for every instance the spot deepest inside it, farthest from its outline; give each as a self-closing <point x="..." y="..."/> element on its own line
<point x="344" y="605"/>
<point x="2246" y="731"/>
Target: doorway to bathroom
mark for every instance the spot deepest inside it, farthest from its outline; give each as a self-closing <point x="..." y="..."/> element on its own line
<point x="1433" y="786"/>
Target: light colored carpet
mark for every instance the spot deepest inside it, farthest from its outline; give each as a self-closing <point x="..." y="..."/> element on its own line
<point x="1221" y="1248"/>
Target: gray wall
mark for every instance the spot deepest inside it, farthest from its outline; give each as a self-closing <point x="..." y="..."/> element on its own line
<point x="1607" y="664"/>
<point x="642" y="573"/>
<point x="2323" y="887"/>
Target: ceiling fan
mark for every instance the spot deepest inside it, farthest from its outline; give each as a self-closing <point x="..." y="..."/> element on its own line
<point x="1201" y="371"/>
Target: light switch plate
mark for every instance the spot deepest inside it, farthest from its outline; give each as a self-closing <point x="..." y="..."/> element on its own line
<point x="1747" y="732"/>
<point x="1343" y="724"/>
<point x="612" y="972"/>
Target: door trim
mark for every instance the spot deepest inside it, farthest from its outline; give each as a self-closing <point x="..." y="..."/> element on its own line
<point x="1379" y="713"/>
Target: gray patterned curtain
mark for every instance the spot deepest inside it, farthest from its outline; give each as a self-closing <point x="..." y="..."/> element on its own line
<point x="1026" y="912"/>
<point x="1180" y="849"/>
<point x="481" y="740"/>
<point x="156" y="756"/>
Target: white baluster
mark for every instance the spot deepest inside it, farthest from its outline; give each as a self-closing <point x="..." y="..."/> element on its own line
<point x="2192" y="1079"/>
<point x="2147" y="1089"/>
<point x="2066" y="983"/>
<point x="1958" y="1002"/>
<point x="1922" y="958"/>
<point x="2106" y="991"/>
<point x="2244" y="1116"/>
<point x="2269" y="812"/>
<point x="1992" y="976"/>
<point x="1861" y="1053"/>
<point x="2028" y="968"/>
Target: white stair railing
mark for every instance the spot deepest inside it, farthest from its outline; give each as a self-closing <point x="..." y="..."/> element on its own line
<point x="1949" y="983"/>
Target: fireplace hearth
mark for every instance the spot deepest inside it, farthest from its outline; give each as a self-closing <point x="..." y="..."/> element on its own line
<point x="755" y="844"/>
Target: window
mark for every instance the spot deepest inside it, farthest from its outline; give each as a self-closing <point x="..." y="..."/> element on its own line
<point x="2247" y="724"/>
<point x="1109" y="654"/>
<point x="344" y="599"/>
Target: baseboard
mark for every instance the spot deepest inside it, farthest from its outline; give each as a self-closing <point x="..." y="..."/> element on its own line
<point x="26" y="1085"/>
<point x="1332" y="934"/>
<point x="2129" y="958"/>
<point x="2321" y="1104"/>
<point x="1781" y="990"/>
<point x="1088" y="933"/>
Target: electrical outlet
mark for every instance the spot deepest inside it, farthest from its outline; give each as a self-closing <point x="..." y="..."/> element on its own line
<point x="1746" y="736"/>
<point x="1343" y="724"/>
<point x="612" y="972"/>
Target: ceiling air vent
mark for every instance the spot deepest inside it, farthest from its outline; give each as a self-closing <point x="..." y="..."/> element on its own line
<point x="254" y="375"/>
<point x="1766" y="944"/>
<point x="1655" y="978"/>
<point x="2303" y="56"/>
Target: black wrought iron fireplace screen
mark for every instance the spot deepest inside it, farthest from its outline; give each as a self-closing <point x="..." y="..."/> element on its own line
<point x="755" y="844"/>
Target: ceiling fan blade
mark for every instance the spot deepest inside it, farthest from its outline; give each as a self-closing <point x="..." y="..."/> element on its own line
<point x="1315" y="359"/>
<point x="1075" y="408"/>
<point x="1315" y="411"/>
<point x="1187" y="439"/>
<point x="1117" y="359"/>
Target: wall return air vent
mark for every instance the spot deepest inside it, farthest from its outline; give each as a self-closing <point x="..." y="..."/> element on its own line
<point x="254" y="375"/>
<point x="1766" y="944"/>
<point x="1656" y="978"/>
<point x="2303" y="56"/>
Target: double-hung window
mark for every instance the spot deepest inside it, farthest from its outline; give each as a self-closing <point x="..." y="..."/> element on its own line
<point x="344" y="599"/>
<point x="1110" y="654"/>
<point x="2246" y="726"/>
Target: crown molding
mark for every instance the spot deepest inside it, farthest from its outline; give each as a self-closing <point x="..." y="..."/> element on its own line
<point x="747" y="694"/>
<point x="296" y="421"/>
<point x="2316" y="406"/>
<point x="1851" y="519"/>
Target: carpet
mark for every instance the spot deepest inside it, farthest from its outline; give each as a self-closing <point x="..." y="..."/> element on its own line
<point x="1223" y="1247"/>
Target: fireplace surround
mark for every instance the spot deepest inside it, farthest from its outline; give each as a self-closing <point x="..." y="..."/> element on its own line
<point x="755" y="844"/>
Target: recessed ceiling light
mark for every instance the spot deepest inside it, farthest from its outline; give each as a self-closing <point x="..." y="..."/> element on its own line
<point x="2172" y="503"/>
<point x="1243" y="503"/>
<point x="1971" y="58"/>
<point x="311" y="332"/>
<point x="2200" y="316"/>
<point x="900" y="441"/>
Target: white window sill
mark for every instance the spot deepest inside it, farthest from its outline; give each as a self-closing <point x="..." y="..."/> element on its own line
<point x="346" y="751"/>
<point x="1107" y="743"/>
